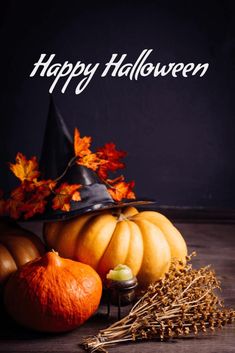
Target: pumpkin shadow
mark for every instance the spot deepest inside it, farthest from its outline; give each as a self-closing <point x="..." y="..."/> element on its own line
<point x="11" y="330"/>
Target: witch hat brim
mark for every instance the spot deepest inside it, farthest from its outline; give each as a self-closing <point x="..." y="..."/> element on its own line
<point x="57" y="151"/>
<point x="75" y="211"/>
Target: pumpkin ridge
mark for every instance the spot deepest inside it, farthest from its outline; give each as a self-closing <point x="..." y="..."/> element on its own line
<point x="142" y="240"/>
<point x="113" y="252"/>
<point x="106" y="247"/>
<point x="79" y="234"/>
<point x="135" y="271"/>
<point x="15" y="248"/>
<point x="9" y="251"/>
<point x="6" y="266"/>
<point x="36" y="241"/>
<point x="57" y="233"/>
<point x="154" y="244"/>
<point x="49" y="231"/>
<point x="130" y="211"/>
<point x="129" y="243"/>
<point x="27" y="234"/>
<point x="173" y="237"/>
<point x="87" y="233"/>
<point x="131" y="220"/>
<point x="66" y="232"/>
<point x="108" y="241"/>
<point x="152" y="216"/>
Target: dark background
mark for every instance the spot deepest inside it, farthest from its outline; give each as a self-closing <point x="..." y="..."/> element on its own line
<point x="179" y="132"/>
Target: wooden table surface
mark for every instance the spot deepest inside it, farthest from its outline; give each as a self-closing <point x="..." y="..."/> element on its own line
<point x="215" y="245"/>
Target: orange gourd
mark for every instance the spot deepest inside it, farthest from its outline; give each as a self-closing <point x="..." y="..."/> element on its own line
<point x="144" y="241"/>
<point x="17" y="247"/>
<point x="53" y="294"/>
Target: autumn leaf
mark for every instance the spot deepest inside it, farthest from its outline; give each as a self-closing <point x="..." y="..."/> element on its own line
<point x="13" y="208"/>
<point x="13" y="205"/>
<point x="115" y="180"/>
<point x="119" y="189"/>
<point x="25" y="169"/>
<point x="32" y="196"/>
<point x="112" y="156"/>
<point x="34" y="206"/>
<point x="29" y="198"/>
<point x="64" y="194"/>
<point x="81" y="144"/>
<point x="18" y="193"/>
<point x="91" y="161"/>
<point x="45" y="187"/>
<point x="37" y="197"/>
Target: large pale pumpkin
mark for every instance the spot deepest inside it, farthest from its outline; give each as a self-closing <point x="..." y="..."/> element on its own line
<point x="145" y="241"/>
<point x="17" y="246"/>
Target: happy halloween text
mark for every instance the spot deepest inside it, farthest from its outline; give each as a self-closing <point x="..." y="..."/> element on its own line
<point x="117" y="66"/>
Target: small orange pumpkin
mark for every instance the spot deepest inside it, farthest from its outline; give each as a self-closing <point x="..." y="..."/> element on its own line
<point x="53" y="294"/>
<point x="17" y="247"/>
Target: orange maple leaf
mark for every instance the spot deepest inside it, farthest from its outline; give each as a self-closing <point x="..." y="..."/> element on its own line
<point x="91" y="161"/>
<point x="25" y="169"/>
<point x="112" y="156"/>
<point x="45" y="187"/>
<point x="81" y="144"/>
<point x="13" y="208"/>
<point x="119" y="189"/>
<point x="13" y="205"/>
<point x="36" y="198"/>
<point x="29" y="198"/>
<point x="33" y="206"/>
<point x="64" y="194"/>
<point x="18" y="193"/>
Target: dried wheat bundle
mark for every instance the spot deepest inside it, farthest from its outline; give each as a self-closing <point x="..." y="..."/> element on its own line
<point x="183" y="302"/>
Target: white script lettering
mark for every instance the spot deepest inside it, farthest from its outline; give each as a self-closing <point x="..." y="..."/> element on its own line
<point x="117" y="66"/>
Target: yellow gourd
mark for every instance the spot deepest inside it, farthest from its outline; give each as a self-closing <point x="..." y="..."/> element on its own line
<point x="145" y="241"/>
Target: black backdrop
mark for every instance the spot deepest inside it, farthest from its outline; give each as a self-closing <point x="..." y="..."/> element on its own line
<point x="179" y="132"/>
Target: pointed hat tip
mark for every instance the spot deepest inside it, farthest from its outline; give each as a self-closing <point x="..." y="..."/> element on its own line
<point x="56" y="117"/>
<point x="57" y="147"/>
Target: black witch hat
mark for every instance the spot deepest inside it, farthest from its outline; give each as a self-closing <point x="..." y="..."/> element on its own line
<point x="57" y="151"/>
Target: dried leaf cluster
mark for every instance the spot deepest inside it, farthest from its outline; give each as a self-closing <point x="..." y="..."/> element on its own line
<point x="106" y="159"/>
<point x="33" y="194"/>
<point x="183" y="302"/>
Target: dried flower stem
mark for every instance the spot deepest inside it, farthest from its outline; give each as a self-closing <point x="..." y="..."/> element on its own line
<point x="183" y="302"/>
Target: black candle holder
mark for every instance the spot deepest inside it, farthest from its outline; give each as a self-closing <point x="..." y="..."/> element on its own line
<point x="120" y="293"/>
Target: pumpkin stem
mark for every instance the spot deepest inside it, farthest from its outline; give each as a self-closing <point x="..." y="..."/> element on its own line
<point x="122" y="217"/>
<point x="51" y="258"/>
